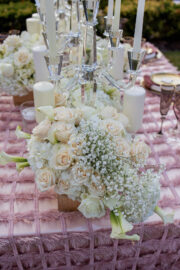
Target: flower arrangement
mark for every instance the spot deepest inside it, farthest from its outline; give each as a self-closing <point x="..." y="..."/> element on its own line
<point x="86" y="154"/>
<point x="16" y="64"/>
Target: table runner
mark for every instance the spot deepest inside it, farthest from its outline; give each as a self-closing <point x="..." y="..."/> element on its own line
<point x="34" y="235"/>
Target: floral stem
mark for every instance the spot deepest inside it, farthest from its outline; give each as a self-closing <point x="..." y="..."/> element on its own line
<point x="21" y="166"/>
<point x="167" y="218"/>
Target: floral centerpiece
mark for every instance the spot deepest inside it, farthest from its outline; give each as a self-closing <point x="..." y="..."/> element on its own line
<point x="16" y="64"/>
<point x="86" y="154"/>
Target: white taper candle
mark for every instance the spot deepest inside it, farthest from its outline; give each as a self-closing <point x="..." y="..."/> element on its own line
<point x="42" y="6"/>
<point x="51" y="29"/>
<point x="139" y="26"/>
<point x="116" y="21"/>
<point x="133" y="107"/>
<point x="43" y="96"/>
<point x="110" y="10"/>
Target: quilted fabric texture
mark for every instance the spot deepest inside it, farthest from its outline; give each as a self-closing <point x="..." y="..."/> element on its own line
<point x="34" y="235"/>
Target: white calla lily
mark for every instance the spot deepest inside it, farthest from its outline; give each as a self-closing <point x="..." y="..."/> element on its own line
<point x="47" y="110"/>
<point x="22" y="135"/>
<point x="167" y="218"/>
<point x="5" y="158"/>
<point x="120" y="226"/>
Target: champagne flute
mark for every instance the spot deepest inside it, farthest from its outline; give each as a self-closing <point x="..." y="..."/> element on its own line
<point x="174" y="134"/>
<point x="167" y="92"/>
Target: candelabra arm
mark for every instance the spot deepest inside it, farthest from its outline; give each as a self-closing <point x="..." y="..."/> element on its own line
<point x="110" y="79"/>
<point x="120" y="85"/>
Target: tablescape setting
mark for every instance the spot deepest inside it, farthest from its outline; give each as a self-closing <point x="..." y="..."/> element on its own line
<point x="85" y="155"/>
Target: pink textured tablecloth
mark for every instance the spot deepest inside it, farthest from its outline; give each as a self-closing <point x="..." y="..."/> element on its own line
<point x="34" y="235"/>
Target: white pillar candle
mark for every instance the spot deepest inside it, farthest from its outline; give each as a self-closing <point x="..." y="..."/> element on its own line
<point x="116" y="21"/>
<point x="133" y="107"/>
<point x="118" y="63"/>
<point x="110" y="10"/>
<point x="43" y="96"/>
<point x="51" y="29"/>
<point x="41" y="70"/>
<point x="42" y="6"/>
<point x="33" y="26"/>
<point x="139" y="26"/>
<point x="35" y="16"/>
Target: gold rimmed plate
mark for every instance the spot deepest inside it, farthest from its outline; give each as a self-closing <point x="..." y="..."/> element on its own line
<point x="166" y="79"/>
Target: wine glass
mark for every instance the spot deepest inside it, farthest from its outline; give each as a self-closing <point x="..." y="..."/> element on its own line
<point x="27" y="111"/>
<point x="167" y="92"/>
<point x="174" y="134"/>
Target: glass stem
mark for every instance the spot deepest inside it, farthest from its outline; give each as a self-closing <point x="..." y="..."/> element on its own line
<point x="162" y="121"/>
<point x="178" y="126"/>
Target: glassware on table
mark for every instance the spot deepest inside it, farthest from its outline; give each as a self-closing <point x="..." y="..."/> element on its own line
<point x="167" y="92"/>
<point x="174" y="134"/>
<point x="27" y="111"/>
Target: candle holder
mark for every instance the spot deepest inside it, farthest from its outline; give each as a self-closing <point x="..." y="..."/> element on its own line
<point x="28" y="115"/>
<point x="115" y="37"/>
<point x="108" y="26"/>
<point x="129" y="79"/>
<point x="135" y="60"/>
<point x="55" y="68"/>
<point x="91" y="9"/>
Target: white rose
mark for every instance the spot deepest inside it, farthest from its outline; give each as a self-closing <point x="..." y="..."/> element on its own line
<point x="61" y="157"/>
<point x="76" y="145"/>
<point x="42" y="129"/>
<point x="81" y="175"/>
<point x="3" y="50"/>
<point x="92" y="207"/>
<point x="123" y="119"/>
<point x="61" y="99"/>
<point x="45" y="178"/>
<point x="109" y="113"/>
<point x="139" y="151"/>
<point x="78" y="116"/>
<point x="64" y="114"/>
<point x="122" y="147"/>
<point x="7" y="70"/>
<point x="96" y="187"/>
<point x="22" y="57"/>
<point x="12" y="42"/>
<point x="60" y="131"/>
<point x="64" y="186"/>
<point x="87" y="112"/>
<point x="115" y="128"/>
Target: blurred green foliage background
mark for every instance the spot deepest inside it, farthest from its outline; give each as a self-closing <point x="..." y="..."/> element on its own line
<point x="161" y="20"/>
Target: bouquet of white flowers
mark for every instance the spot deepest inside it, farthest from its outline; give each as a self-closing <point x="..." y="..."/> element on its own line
<point x="86" y="154"/>
<point x="16" y="64"/>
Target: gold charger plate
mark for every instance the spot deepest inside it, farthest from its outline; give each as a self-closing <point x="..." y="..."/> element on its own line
<point x="166" y="79"/>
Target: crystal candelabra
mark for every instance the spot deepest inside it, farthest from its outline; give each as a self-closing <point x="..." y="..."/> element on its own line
<point x="87" y="78"/>
<point x="75" y="38"/>
<point x="128" y="79"/>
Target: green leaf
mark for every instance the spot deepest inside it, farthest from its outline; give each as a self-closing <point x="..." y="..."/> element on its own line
<point x="22" y="135"/>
